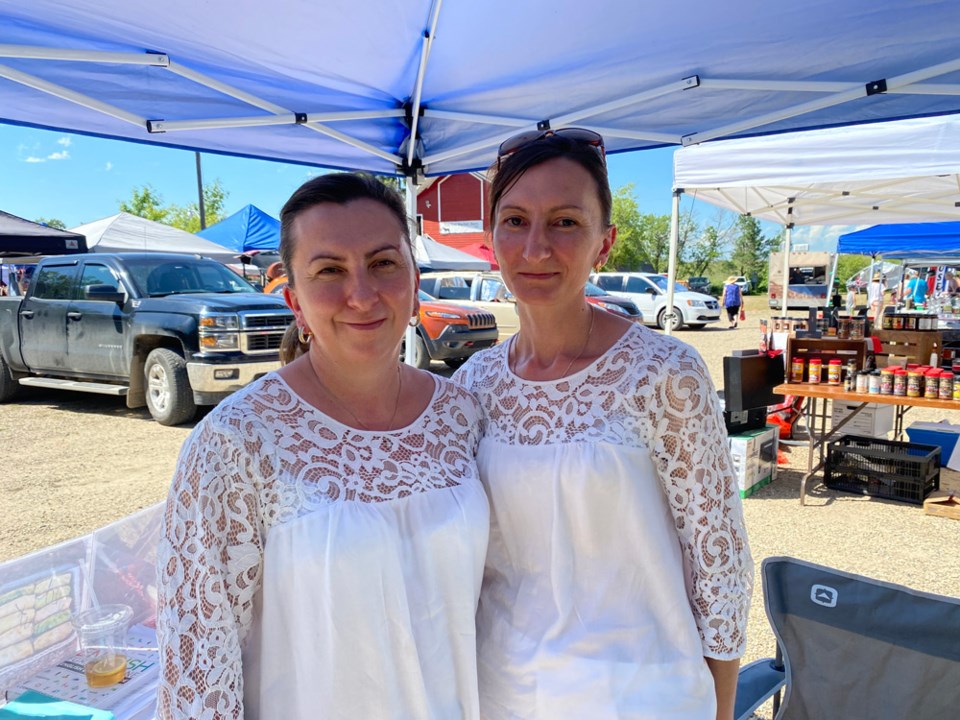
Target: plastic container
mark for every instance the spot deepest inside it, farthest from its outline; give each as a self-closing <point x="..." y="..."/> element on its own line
<point x="931" y="384"/>
<point x="914" y="383"/>
<point x="886" y="381"/>
<point x="900" y="382"/>
<point x="102" y="632"/>
<point x="863" y="382"/>
<point x="834" y="371"/>
<point x="857" y="326"/>
<point x="874" y="382"/>
<point x="814" y="370"/>
<point x="898" y="322"/>
<point x="946" y="385"/>
<point x="796" y="370"/>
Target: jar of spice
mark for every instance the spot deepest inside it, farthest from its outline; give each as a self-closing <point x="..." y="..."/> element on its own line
<point x="886" y="381"/>
<point x="856" y="328"/>
<point x="843" y="331"/>
<point x="898" y="322"/>
<point x="900" y="382"/>
<point x="814" y="370"/>
<point x="946" y="385"/>
<point x="931" y="384"/>
<point x="796" y="370"/>
<point x="887" y="322"/>
<point x="834" y="371"/>
<point x="914" y="382"/>
<point x="875" y="382"/>
<point x="863" y="382"/>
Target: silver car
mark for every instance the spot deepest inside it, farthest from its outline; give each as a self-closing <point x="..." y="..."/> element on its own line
<point x="649" y="292"/>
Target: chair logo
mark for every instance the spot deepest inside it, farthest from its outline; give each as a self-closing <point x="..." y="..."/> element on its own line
<point x="824" y="595"/>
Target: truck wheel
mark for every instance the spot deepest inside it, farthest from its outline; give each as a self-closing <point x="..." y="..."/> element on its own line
<point x="8" y="386"/>
<point x="169" y="397"/>
<point x="677" y="320"/>
<point x="421" y="357"/>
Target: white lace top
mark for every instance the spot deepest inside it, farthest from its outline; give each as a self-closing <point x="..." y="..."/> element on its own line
<point x="310" y="570"/>
<point x="618" y="557"/>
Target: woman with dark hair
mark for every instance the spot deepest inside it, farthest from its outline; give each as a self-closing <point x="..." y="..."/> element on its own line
<point x="618" y="576"/>
<point x="326" y="528"/>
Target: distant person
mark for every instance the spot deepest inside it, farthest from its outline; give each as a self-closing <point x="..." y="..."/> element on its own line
<point x="732" y="300"/>
<point x="851" y="299"/>
<point x="951" y="286"/>
<point x="931" y="281"/>
<point x="916" y="290"/>
<point x="875" y="296"/>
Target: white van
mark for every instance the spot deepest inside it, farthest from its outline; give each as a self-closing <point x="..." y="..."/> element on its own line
<point x="649" y="292"/>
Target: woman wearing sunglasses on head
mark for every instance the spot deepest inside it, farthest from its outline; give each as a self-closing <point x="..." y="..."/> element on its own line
<point x="618" y="576"/>
<point x="326" y="529"/>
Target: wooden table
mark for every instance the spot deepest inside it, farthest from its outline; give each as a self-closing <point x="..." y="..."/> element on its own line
<point x="818" y="438"/>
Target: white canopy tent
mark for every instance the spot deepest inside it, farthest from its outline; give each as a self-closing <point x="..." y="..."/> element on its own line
<point x="436" y="256"/>
<point x="893" y="172"/>
<point x="129" y="233"/>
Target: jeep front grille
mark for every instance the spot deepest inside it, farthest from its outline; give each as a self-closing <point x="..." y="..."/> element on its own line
<point x="481" y="320"/>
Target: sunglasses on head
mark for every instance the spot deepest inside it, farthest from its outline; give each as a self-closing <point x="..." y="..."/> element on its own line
<point x="578" y="135"/>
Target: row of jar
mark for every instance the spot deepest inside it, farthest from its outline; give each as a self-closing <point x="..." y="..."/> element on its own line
<point x="913" y="381"/>
<point x="909" y="321"/>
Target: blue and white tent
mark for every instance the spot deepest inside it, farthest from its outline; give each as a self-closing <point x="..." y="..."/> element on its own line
<point x="247" y="229"/>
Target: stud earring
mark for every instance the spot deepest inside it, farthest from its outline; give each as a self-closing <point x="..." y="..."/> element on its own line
<point x="414" y="320"/>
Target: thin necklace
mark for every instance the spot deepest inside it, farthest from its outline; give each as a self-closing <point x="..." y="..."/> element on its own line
<point x="363" y="425"/>
<point x="583" y="348"/>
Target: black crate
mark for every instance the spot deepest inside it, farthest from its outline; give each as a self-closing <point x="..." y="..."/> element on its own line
<point x="882" y="468"/>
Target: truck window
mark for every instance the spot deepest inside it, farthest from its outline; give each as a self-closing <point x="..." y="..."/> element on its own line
<point x="638" y="285"/>
<point x="453" y="288"/>
<point x="98" y="275"/>
<point x="55" y="282"/>
<point x="492" y="290"/>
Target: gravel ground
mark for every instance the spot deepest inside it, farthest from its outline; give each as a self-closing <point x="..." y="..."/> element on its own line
<point x="74" y="462"/>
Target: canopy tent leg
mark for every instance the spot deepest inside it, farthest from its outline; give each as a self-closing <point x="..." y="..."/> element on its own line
<point x="672" y="259"/>
<point x="410" y="339"/>
<point x="788" y="231"/>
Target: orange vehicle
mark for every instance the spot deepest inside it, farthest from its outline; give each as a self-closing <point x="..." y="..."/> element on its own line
<point x="448" y="332"/>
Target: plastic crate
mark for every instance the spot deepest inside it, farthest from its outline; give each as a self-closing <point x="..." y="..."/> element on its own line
<point x="882" y="468"/>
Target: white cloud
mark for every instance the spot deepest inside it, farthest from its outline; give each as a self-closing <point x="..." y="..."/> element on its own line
<point x="34" y="159"/>
<point x="65" y="141"/>
<point x="109" y="166"/>
<point x="62" y="155"/>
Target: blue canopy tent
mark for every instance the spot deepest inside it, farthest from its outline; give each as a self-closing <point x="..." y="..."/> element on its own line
<point x="916" y="243"/>
<point x="247" y="229"/>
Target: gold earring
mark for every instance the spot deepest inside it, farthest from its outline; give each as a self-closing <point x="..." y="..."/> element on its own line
<point x="304" y="336"/>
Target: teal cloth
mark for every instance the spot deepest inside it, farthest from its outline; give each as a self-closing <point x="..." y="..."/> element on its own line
<point x="36" y="705"/>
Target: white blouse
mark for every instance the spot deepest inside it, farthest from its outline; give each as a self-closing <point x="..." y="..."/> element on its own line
<point x="311" y="570"/>
<point x="618" y="556"/>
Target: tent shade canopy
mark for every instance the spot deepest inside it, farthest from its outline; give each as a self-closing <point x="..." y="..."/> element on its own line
<point x="920" y="243"/>
<point x="247" y="229"/>
<point x="392" y="87"/>
<point x="19" y="237"/>
<point x="893" y="172"/>
<point x="129" y="233"/>
<point x="431" y="255"/>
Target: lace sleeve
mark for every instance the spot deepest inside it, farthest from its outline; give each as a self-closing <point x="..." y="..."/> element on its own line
<point x="696" y="469"/>
<point x="209" y="568"/>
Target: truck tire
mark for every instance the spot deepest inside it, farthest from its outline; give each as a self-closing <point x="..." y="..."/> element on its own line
<point x="8" y="386"/>
<point x="677" y="322"/>
<point x="169" y="397"/>
<point x="422" y="357"/>
<point x="455" y="362"/>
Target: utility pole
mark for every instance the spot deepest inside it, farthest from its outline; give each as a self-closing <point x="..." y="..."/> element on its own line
<point x="203" y="217"/>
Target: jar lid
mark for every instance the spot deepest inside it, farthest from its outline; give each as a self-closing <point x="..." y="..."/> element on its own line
<point x="816" y="360"/>
<point x="946" y="373"/>
<point x="899" y="371"/>
<point x="932" y="372"/>
<point x="836" y="361"/>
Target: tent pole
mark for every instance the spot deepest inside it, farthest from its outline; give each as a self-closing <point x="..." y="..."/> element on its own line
<point x="203" y="214"/>
<point x="410" y="339"/>
<point x="786" y="265"/>
<point x="672" y="259"/>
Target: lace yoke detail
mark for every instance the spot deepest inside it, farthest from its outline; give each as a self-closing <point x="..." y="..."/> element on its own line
<point x="262" y="458"/>
<point x="649" y="391"/>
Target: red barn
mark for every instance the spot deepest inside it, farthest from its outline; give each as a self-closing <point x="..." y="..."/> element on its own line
<point x="454" y="208"/>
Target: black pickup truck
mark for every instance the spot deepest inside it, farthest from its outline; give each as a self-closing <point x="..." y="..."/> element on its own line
<point x="167" y="331"/>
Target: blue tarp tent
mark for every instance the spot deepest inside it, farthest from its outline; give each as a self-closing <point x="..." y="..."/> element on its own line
<point x="247" y="229"/>
<point x="929" y="243"/>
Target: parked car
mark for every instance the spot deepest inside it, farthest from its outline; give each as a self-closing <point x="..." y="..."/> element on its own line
<point x="448" y="332"/>
<point x="596" y="295"/>
<point x="745" y="285"/>
<point x="480" y="290"/>
<point x="164" y="330"/>
<point x="649" y="292"/>
<point x="699" y="284"/>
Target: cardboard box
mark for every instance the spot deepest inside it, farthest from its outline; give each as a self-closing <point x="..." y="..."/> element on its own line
<point x="875" y="420"/>
<point x="754" y="456"/>
<point x="941" y="503"/>
<point x="943" y="434"/>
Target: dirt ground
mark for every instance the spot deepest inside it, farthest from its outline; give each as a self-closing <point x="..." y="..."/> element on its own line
<point x="74" y="462"/>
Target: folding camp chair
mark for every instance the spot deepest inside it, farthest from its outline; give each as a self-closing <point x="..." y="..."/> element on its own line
<point x="853" y="647"/>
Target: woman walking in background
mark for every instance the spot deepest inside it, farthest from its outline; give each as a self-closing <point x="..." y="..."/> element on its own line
<point x="326" y="529"/>
<point x="732" y="300"/>
<point x="618" y="576"/>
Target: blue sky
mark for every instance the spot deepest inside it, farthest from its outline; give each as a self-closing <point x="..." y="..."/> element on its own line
<point x="78" y="179"/>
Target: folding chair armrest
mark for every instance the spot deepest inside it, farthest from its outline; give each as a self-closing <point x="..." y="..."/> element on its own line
<point x="756" y="683"/>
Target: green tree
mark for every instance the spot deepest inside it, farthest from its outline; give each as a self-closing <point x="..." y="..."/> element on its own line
<point x="850" y="265"/>
<point x="628" y="252"/>
<point x="52" y="222"/>
<point x="703" y="251"/>
<point x="147" y="203"/>
<point x="750" y="248"/>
